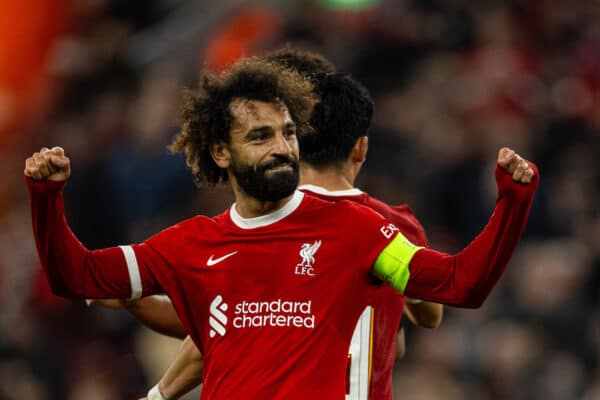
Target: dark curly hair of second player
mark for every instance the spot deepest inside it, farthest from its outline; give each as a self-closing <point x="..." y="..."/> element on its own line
<point x="206" y="116"/>
<point x="303" y="61"/>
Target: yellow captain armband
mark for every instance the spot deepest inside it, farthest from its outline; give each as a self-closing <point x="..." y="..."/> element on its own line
<point x="392" y="263"/>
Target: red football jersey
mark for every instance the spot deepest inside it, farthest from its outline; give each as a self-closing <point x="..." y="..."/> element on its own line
<point x="273" y="288"/>
<point x="373" y="347"/>
<point x="273" y="301"/>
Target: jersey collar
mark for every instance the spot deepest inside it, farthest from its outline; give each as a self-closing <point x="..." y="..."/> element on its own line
<point x="334" y="193"/>
<point x="267" y="219"/>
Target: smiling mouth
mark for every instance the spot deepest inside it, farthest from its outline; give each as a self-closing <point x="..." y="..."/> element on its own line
<point x="280" y="168"/>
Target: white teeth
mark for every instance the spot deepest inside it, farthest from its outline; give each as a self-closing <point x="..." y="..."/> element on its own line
<point x="281" y="166"/>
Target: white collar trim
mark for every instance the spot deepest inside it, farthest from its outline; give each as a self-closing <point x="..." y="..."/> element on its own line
<point x="267" y="219"/>
<point x="321" y="190"/>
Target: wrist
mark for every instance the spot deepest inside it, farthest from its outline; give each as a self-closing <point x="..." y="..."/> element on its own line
<point x="410" y="300"/>
<point x="44" y="185"/>
<point x="508" y="187"/>
<point x="155" y="394"/>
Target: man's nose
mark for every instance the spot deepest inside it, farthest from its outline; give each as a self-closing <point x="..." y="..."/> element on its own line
<point x="282" y="145"/>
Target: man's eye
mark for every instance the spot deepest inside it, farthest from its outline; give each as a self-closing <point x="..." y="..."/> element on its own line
<point x="290" y="132"/>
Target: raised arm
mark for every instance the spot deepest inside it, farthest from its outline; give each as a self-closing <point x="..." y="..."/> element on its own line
<point x="72" y="269"/>
<point x="466" y="279"/>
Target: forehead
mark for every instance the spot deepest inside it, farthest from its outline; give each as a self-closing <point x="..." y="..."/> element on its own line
<point x="250" y="113"/>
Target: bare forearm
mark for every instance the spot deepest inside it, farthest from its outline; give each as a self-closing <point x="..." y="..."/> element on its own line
<point x="157" y="312"/>
<point x="424" y="313"/>
<point x="184" y="373"/>
<point x="400" y="344"/>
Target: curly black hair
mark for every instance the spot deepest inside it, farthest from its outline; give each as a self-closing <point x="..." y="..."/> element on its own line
<point x="343" y="114"/>
<point x="206" y="114"/>
<point x="303" y="61"/>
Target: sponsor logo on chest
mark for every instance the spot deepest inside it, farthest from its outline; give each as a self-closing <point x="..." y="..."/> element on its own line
<point x="279" y="313"/>
<point x="217" y="319"/>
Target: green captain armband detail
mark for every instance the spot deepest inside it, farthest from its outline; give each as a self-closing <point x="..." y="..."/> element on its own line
<point x="392" y="263"/>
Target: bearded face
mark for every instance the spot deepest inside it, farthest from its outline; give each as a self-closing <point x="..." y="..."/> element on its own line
<point x="271" y="180"/>
<point x="263" y="149"/>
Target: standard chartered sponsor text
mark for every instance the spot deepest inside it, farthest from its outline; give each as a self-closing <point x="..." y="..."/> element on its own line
<point x="277" y="313"/>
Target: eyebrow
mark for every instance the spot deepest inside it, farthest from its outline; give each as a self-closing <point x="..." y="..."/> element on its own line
<point x="261" y="128"/>
<point x="266" y="128"/>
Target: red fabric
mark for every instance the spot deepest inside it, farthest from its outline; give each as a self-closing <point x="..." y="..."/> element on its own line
<point x="43" y="299"/>
<point x="73" y="270"/>
<point x="284" y="358"/>
<point x="276" y="362"/>
<point x="466" y="279"/>
<point x="271" y="362"/>
<point x="387" y="303"/>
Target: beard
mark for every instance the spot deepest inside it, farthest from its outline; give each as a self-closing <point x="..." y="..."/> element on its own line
<point x="262" y="185"/>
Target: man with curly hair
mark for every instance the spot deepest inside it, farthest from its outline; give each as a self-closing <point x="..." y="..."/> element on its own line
<point x="269" y="290"/>
<point x="331" y="158"/>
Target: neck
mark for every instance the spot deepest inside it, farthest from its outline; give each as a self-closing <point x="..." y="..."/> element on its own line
<point x="330" y="178"/>
<point x="250" y="207"/>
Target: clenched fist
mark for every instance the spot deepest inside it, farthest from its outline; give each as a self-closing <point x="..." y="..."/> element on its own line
<point x="51" y="164"/>
<point x="515" y="165"/>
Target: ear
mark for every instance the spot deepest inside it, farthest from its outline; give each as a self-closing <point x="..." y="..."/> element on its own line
<point x="220" y="154"/>
<point x="359" y="151"/>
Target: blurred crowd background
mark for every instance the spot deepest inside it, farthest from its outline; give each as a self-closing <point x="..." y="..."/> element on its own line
<point x="453" y="81"/>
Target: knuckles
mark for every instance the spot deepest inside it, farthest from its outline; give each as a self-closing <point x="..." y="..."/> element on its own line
<point x="42" y="164"/>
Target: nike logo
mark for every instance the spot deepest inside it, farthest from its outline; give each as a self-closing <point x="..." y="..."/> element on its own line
<point x="210" y="262"/>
